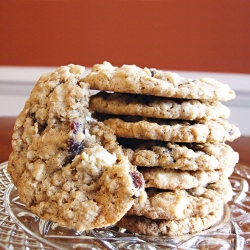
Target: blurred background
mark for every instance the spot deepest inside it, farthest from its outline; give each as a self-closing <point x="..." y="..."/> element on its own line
<point x="194" y="38"/>
<point x="179" y="35"/>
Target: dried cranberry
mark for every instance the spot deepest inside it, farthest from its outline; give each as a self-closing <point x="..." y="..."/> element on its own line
<point x="138" y="180"/>
<point x="75" y="125"/>
<point x="74" y="148"/>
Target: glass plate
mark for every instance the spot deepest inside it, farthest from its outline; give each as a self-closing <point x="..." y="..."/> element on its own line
<point x="20" y="229"/>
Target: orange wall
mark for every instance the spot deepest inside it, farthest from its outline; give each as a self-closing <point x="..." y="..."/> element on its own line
<point x="200" y="35"/>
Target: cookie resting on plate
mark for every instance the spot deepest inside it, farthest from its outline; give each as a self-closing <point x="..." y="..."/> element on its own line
<point x="61" y="171"/>
<point x="192" y="225"/>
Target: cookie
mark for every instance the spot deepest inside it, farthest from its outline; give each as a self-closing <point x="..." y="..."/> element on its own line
<point x="134" y="80"/>
<point x="146" y="226"/>
<point x="58" y="96"/>
<point x="180" y="204"/>
<point x="61" y="170"/>
<point x="212" y="131"/>
<point x="188" y="156"/>
<point x="170" y="179"/>
<point x="158" y="107"/>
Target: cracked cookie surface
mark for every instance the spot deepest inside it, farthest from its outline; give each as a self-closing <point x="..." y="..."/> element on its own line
<point x="171" y="179"/>
<point x="135" y="80"/>
<point x="186" y="156"/>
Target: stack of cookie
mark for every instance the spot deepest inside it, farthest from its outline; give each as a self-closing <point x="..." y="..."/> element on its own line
<point x="174" y="130"/>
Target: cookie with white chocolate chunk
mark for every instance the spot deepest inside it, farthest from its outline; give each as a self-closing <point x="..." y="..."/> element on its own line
<point x="172" y="179"/>
<point x="192" y="225"/>
<point x="135" y="80"/>
<point x="61" y="170"/>
<point x="183" y="203"/>
<point x="182" y="156"/>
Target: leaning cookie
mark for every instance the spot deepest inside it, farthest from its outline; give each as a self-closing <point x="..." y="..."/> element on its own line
<point x="212" y="131"/>
<point x="180" y="204"/>
<point x="189" y="157"/>
<point x="134" y="80"/>
<point x="146" y="226"/>
<point x="158" y="107"/>
<point x="61" y="170"/>
<point x="162" y="178"/>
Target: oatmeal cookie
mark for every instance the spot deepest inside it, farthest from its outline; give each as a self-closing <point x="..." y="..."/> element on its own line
<point x="180" y="204"/>
<point x="146" y="226"/>
<point x="188" y="156"/>
<point x="212" y="131"/>
<point x="61" y="170"/>
<point x="135" y="80"/>
<point x="158" y="107"/>
<point x="162" y="178"/>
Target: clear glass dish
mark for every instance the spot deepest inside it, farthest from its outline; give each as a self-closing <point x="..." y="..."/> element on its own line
<point x="20" y="229"/>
